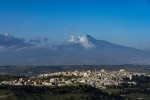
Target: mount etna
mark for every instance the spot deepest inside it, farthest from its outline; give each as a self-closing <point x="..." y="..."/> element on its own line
<point x="82" y="49"/>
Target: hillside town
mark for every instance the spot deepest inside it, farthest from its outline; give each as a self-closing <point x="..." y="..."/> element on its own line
<point x="98" y="79"/>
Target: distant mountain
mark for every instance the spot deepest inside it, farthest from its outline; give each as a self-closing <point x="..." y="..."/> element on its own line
<point x="88" y="42"/>
<point x="78" y="50"/>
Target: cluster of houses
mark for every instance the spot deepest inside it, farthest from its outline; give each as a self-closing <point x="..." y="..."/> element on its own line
<point x="99" y="79"/>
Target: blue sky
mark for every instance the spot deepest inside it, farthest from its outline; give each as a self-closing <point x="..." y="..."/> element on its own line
<point x="124" y="22"/>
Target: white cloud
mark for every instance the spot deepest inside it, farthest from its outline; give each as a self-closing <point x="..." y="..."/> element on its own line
<point x="83" y="40"/>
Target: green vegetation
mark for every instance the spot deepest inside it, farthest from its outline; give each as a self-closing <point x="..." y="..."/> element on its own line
<point x="72" y="92"/>
<point x="7" y="78"/>
<point x="140" y="91"/>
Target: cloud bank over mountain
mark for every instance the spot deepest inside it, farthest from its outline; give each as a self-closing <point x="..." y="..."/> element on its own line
<point x="10" y="42"/>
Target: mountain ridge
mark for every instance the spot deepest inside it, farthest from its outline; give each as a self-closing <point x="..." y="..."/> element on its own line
<point x="82" y="49"/>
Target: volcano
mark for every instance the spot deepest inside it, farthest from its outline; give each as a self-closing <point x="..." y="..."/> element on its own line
<point x="82" y="49"/>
